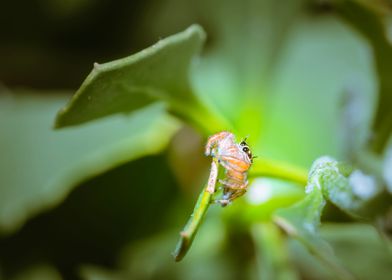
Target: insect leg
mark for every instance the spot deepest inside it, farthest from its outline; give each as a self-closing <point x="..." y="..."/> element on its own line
<point x="237" y="193"/>
<point x="222" y="202"/>
<point x="233" y="184"/>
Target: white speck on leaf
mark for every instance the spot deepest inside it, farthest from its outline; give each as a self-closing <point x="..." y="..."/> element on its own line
<point x="363" y="186"/>
<point x="309" y="188"/>
<point x="310" y="227"/>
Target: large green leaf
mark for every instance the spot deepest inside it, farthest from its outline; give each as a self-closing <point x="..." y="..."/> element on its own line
<point x="301" y="221"/>
<point x="272" y="254"/>
<point x="272" y="75"/>
<point x="361" y="249"/>
<point x="349" y="189"/>
<point x="266" y="77"/>
<point x="159" y="72"/>
<point x="38" y="272"/>
<point x="358" y="246"/>
<point x="39" y="166"/>
<point x="371" y="25"/>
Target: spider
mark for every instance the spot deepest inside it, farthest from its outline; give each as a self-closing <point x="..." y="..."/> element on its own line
<point x="236" y="158"/>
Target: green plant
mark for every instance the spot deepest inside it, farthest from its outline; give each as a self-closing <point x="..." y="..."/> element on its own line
<point x="299" y="85"/>
<point x="160" y="74"/>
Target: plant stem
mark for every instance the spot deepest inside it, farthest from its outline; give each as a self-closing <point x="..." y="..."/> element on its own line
<point x="277" y="169"/>
<point x="188" y="233"/>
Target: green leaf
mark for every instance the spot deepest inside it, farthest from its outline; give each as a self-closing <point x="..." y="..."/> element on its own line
<point x="39" y="166"/>
<point x="39" y="271"/>
<point x="361" y="249"/>
<point x="273" y="74"/>
<point x="270" y="69"/>
<point x="148" y="258"/>
<point x="158" y="73"/>
<point x="303" y="218"/>
<point x="358" y="246"/>
<point x="380" y="7"/>
<point x="372" y="27"/>
<point x="189" y="231"/>
<point x="301" y="221"/>
<point x="321" y="60"/>
<point x="349" y="189"/>
<point x="355" y="127"/>
<point x="271" y="254"/>
<point x="93" y="272"/>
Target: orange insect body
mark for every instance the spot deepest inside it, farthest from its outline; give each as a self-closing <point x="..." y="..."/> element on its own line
<point x="236" y="158"/>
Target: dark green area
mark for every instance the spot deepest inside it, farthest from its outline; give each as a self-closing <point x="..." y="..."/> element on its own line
<point x="96" y="220"/>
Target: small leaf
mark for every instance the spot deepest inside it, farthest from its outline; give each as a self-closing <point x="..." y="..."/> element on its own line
<point x="301" y="221"/>
<point x="189" y="232"/>
<point x="39" y="166"/>
<point x="350" y="190"/>
<point x="159" y="72"/>
<point x="303" y="218"/>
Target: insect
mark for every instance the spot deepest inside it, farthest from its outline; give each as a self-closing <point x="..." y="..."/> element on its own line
<point x="236" y="158"/>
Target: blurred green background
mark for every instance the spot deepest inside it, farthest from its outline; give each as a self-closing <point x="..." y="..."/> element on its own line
<point x="106" y="200"/>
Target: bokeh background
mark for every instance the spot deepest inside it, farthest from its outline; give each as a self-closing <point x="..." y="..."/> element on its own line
<point x="306" y="78"/>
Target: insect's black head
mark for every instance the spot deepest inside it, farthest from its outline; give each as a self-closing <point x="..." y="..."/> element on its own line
<point x="245" y="149"/>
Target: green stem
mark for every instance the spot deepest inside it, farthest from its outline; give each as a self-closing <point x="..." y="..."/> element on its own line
<point x="276" y="169"/>
<point x="197" y="114"/>
<point x="188" y="233"/>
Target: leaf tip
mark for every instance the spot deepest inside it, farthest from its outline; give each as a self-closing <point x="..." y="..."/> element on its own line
<point x="58" y="123"/>
<point x="62" y="119"/>
<point x="180" y="249"/>
<point x="97" y="67"/>
<point x="196" y="29"/>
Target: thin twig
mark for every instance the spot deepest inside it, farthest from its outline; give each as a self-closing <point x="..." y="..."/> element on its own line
<point x="213" y="176"/>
